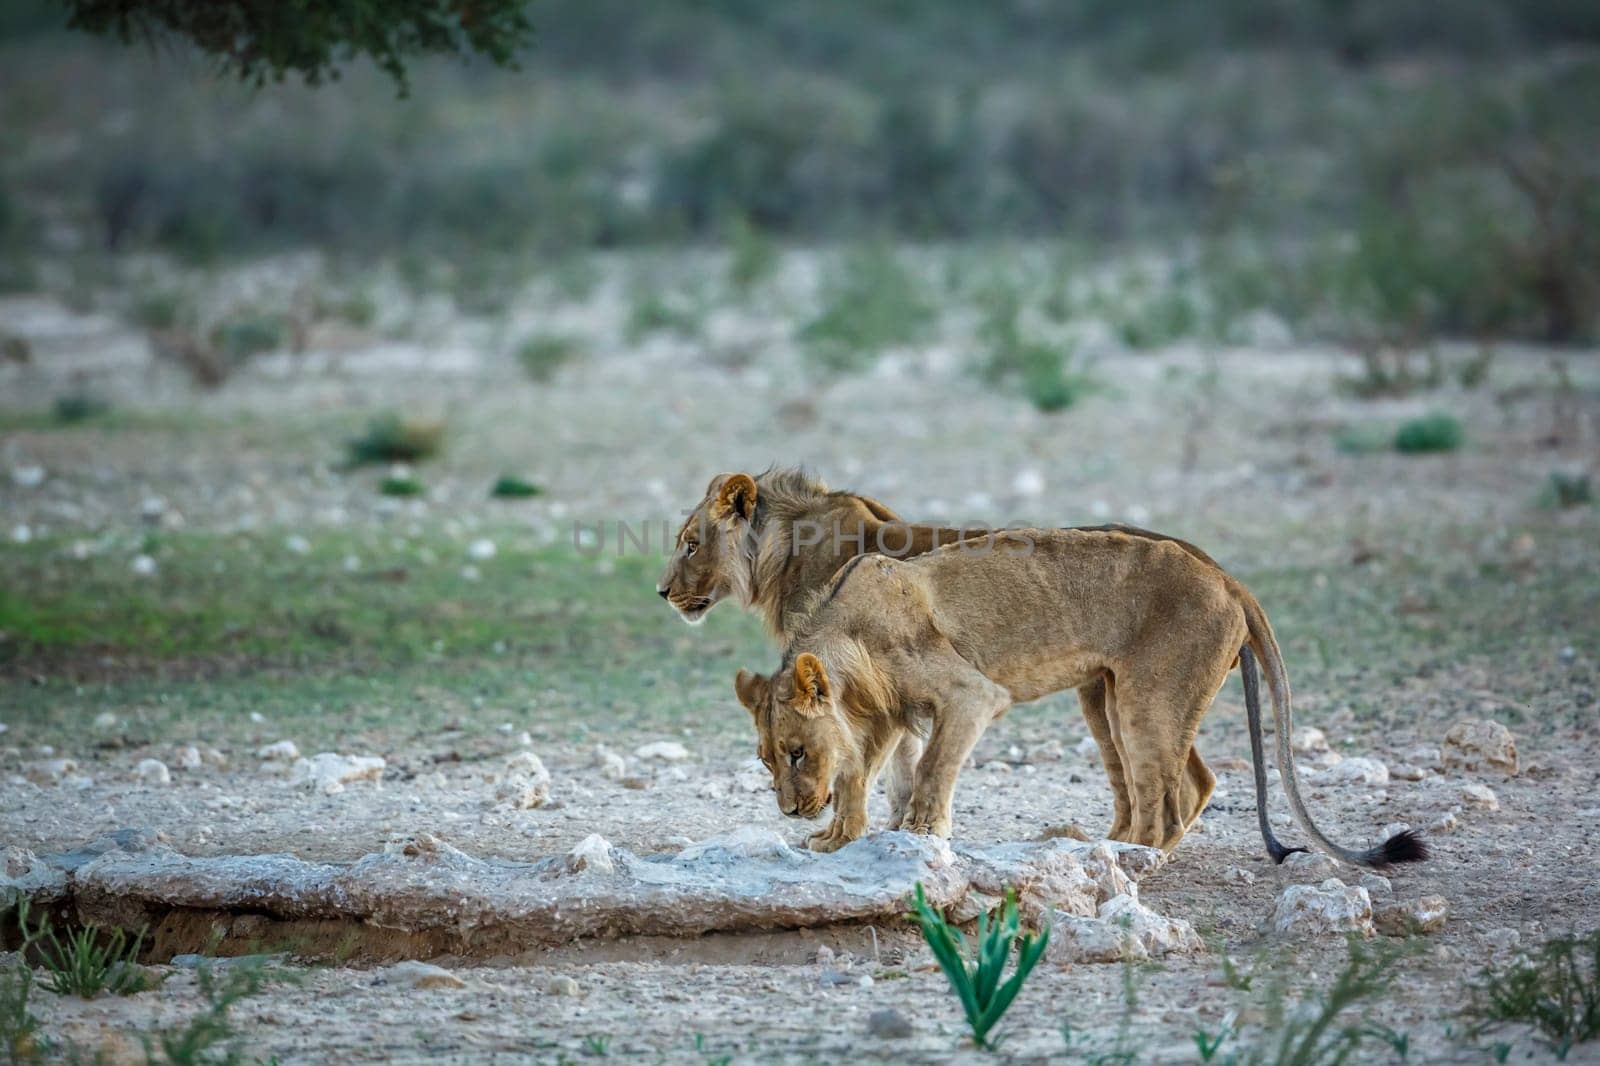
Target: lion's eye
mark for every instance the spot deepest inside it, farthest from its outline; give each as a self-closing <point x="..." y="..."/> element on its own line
<point x="796" y="755"/>
<point x="688" y="548"/>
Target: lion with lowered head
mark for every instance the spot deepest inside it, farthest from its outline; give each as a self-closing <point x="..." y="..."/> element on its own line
<point x="945" y="642"/>
<point x="771" y="540"/>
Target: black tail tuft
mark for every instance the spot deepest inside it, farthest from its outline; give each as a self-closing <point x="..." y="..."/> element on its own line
<point x="1405" y="846"/>
<point x="1278" y="852"/>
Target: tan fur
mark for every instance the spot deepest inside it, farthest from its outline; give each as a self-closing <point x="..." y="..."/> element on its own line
<point x="758" y="560"/>
<point x="956" y="636"/>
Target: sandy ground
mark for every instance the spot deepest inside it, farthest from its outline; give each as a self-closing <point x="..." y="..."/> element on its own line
<point x="1247" y="467"/>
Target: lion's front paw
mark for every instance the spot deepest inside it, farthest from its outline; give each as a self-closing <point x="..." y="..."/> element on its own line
<point x="830" y="839"/>
<point x="930" y="827"/>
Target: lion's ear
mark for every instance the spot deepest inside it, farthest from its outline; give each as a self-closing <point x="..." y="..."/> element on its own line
<point x="752" y="690"/>
<point x="735" y="499"/>
<point x="811" y="686"/>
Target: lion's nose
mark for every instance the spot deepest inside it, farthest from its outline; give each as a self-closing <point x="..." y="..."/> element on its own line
<point x="662" y="593"/>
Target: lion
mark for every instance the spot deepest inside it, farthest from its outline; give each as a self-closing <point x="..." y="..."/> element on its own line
<point x="771" y="540"/>
<point x="946" y="642"/>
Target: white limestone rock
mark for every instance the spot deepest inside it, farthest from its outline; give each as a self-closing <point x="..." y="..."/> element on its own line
<point x="1420" y="916"/>
<point x="423" y="976"/>
<point x="153" y="772"/>
<point x="525" y="783"/>
<point x="661" y="751"/>
<point x="1481" y="797"/>
<point x="1356" y="771"/>
<point x="1321" y="910"/>
<point x="1309" y="740"/>
<point x="328" y="772"/>
<point x="1475" y="744"/>
<point x="592" y="853"/>
<point x="279" y="751"/>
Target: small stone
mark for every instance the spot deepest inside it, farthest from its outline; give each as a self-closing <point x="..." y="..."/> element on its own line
<point x="280" y="751"/>
<point x="105" y="722"/>
<point x="21" y="533"/>
<point x="1028" y="482"/>
<point x="1377" y="885"/>
<point x="663" y="750"/>
<point x="1448" y="822"/>
<point x="143" y="566"/>
<point x="1123" y="928"/>
<point x="186" y="757"/>
<point x="297" y="544"/>
<point x="835" y="979"/>
<point x="1486" y="744"/>
<point x="1426" y="756"/>
<point x="1331" y="907"/>
<point x="481" y="550"/>
<point x="636" y="782"/>
<point x="1426" y="914"/>
<point x="1238" y="875"/>
<point x="593" y="852"/>
<point x="153" y="772"/>
<point x="561" y="985"/>
<point x="525" y="785"/>
<point x="613" y="767"/>
<point x="1480" y="796"/>
<point x="421" y="975"/>
<point x="1501" y="941"/>
<point x="1310" y="866"/>
<point x="1404" y="771"/>
<point x="968" y="907"/>
<point x="1309" y="740"/>
<point x="1235" y="763"/>
<point x="28" y="477"/>
<point x="55" y="769"/>
<point x="1071" y="831"/>
<point x="1049" y="751"/>
<point x="888" y="1024"/>
<point x="327" y="772"/>
<point x="17" y="862"/>
<point x="1356" y="771"/>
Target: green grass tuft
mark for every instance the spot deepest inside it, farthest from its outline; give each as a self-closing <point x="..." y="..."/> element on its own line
<point x="1437" y="432"/>
<point x="1557" y="992"/>
<point x="1566" y="490"/>
<point x="391" y="438"/>
<point x="511" y="487"/>
<point x="870" y="302"/>
<point x="248" y="333"/>
<point x="663" y="314"/>
<point x="984" y="997"/>
<point x="74" y="407"/>
<point x="210" y="1037"/>
<point x="753" y="255"/>
<point x="19" y="1026"/>
<point x="87" y="962"/>
<point x="400" y="486"/>
<point x="542" y="354"/>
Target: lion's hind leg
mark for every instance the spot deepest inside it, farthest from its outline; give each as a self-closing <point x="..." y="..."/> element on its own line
<point x="899" y="772"/>
<point x="1098" y="704"/>
<point x="1195" y="793"/>
<point x="1156" y="729"/>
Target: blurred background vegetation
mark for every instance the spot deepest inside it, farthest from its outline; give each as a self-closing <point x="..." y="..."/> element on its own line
<point x="1368" y="172"/>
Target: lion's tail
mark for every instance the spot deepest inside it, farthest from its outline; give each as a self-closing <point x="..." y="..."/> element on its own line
<point x="1405" y="846"/>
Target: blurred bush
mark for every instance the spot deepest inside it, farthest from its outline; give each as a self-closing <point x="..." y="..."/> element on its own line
<point x="1368" y="172"/>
